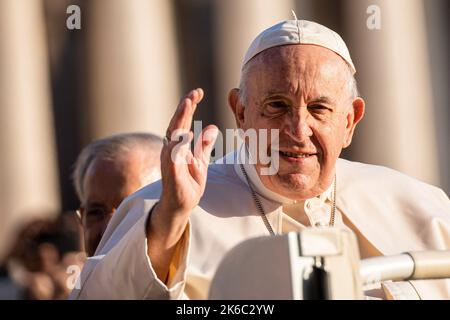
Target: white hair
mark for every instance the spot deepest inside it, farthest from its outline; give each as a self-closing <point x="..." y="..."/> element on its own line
<point x="113" y="147"/>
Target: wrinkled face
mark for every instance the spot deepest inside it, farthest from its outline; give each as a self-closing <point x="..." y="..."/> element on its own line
<point x="304" y="91"/>
<point x="106" y="184"/>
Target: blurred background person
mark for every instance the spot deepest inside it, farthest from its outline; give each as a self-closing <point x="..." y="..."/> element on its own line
<point x="106" y="172"/>
<point x="36" y="267"/>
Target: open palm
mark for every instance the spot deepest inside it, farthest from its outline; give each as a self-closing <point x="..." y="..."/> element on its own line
<point x="184" y="172"/>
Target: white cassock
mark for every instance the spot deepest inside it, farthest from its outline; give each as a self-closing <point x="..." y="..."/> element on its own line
<point x="390" y="213"/>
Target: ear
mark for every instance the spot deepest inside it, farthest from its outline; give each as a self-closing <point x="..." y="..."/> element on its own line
<point x="355" y="115"/>
<point x="238" y="109"/>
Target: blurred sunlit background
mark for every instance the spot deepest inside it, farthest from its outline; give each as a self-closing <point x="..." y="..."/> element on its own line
<point x="129" y="64"/>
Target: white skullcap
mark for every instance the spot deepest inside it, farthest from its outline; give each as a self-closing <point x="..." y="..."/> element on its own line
<point x="299" y="32"/>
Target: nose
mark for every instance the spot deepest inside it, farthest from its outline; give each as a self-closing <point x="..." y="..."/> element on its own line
<point x="298" y="127"/>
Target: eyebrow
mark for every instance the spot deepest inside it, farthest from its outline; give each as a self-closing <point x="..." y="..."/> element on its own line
<point x="323" y="99"/>
<point x="275" y="95"/>
<point x="320" y="99"/>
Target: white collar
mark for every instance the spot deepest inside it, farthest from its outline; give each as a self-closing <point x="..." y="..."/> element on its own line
<point x="260" y="188"/>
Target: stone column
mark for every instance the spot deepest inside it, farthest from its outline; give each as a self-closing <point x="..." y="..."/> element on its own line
<point x="133" y="77"/>
<point x="438" y="25"/>
<point x="394" y="77"/>
<point x="237" y="23"/>
<point x="28" y="169"/>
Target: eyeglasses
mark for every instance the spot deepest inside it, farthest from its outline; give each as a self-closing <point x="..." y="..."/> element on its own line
<point x="78" y="213"/>
<point x="95" y="214"/>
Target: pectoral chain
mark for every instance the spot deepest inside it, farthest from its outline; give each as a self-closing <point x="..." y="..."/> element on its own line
<point x="261" y="209"/>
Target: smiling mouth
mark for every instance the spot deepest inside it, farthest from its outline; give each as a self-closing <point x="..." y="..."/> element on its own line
<point x="296" y="155"/>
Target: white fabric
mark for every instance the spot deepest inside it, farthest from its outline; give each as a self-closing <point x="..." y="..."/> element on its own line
<point x="299" y="32"/>
<point x="317" y="210"/>
<point x="390" y="213"/>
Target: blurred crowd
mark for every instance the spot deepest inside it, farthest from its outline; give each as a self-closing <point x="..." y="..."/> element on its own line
<point x="48" y="254"/>
<point x="40" y="262"/>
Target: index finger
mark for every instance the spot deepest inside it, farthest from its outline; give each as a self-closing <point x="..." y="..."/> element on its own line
<point x="184" y="113"/>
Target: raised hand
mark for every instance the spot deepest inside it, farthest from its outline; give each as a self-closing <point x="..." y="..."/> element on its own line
<point x="183" y="182"/>
<point x="183" y="172"/>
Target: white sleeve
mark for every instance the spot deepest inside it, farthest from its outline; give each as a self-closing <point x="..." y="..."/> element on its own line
<point x="125" y="270"/>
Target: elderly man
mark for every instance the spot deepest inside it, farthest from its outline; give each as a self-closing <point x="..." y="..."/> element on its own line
<point x="167" y="240"/>
<point x="107" y="171"/>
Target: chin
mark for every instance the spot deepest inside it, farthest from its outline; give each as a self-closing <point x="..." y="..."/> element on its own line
<point x="294" y="183"/>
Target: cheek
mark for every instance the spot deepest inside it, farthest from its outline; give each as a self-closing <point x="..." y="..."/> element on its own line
<point x="92" y="232"/>
<point x="255" y="121"/>
<point x="330" y="137"/>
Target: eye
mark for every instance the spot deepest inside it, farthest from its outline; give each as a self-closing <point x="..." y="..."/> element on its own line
<point x="320" y="111"/>
<point x="95" y="214"/>
<point x="275" y="108"/>
<point x="278" y="105"/>
<point x="318" y="107"/>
